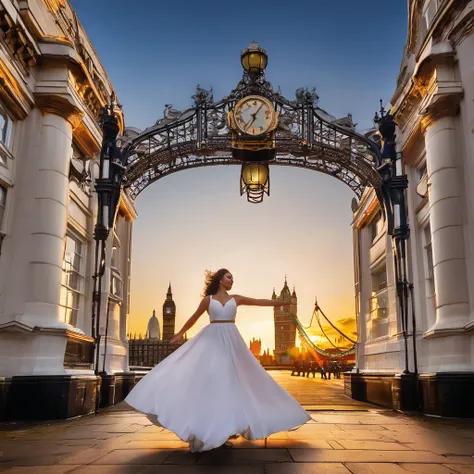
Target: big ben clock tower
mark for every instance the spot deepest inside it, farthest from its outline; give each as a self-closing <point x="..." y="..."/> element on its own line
<point x="169" y="316"/>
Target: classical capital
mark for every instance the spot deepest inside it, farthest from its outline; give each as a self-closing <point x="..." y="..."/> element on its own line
<point x="61" y="106"/>
<point x="441" y="105"/>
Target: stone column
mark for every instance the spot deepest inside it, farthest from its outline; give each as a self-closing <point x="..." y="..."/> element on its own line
<point x="446" y="208"/>
<point x="447" y="346"/>
<point x="466" y="71"/>
<point x="48" y="201"/>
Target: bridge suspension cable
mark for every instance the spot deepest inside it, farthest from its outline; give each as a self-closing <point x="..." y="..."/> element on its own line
<point x="314" y="347"/>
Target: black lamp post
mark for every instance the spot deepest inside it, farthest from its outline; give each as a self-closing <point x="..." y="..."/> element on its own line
<point x="395" y="183"/>
<point x="108" y="187"/>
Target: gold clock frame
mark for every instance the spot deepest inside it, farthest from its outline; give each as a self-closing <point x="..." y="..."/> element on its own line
<point x="245" y="141"/>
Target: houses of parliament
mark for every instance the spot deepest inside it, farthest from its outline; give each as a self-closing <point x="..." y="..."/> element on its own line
<point x="154" y="347"/>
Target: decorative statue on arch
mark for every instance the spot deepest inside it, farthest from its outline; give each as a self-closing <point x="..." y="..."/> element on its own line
<point x="203" y="96"/>
<point x="305" y="96"/>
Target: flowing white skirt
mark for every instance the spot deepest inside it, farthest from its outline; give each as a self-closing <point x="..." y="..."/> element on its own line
<point x="211" y="388"/>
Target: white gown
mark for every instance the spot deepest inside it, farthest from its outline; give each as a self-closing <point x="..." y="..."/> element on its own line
<point x="212" y="387"/>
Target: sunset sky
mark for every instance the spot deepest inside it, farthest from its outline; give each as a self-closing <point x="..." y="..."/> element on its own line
<point x="156" y="54"/>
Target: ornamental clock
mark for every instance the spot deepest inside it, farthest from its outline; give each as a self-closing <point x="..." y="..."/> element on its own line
<point x="254" y="116"/>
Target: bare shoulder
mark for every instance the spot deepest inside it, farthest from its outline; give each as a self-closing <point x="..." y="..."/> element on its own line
<point x="205" y="302"/>
<point x="237" y="298"/>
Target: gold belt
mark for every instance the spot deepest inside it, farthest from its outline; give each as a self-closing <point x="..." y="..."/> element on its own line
<point x="223" y="321"/>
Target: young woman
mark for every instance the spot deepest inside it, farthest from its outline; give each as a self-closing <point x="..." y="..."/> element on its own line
<point x="212" y="387"/>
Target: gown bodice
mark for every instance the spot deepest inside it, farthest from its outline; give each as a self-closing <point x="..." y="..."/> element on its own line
<point x="222" y="312"/>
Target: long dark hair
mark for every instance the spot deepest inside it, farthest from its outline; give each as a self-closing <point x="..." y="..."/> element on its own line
<point x="211" y="284"/>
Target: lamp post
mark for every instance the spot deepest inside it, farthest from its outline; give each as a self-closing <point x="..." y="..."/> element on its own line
<point x="108" y="187"/>
<point x="395" y="184"/>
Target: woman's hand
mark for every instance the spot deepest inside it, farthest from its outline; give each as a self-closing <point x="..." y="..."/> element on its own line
<point x="176" y="338"/>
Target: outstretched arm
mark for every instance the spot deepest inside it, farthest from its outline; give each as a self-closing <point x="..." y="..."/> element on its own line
<point x="246" y="301"/>
<point x="203" y="305"/>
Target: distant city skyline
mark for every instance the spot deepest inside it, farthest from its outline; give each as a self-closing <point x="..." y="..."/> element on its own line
<point x="196" y="220"/>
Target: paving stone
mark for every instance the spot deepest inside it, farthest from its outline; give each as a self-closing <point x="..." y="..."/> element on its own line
<point x="113" y="469"/>
<point x="335" y="445"/>
<point x="459" y="468"/>
<point x="304" y="468"/>
<point x="241" y="443"/>
<point x="377" y="468"/>
<point x="244" y="456"/>
<point x="298" y="443"/>
<point x="459" y="460"/>
<point x="46" y="460"/>
<point x="154" y="444"/>
<point x="443" y="446"/>
<point x="240" y="469"/>
<point x="364" y="456"/>
<point x="115" y="420"/>
<point x="85" y="457"/>
<point x="360" y="435"/>
<point x="374" y="445"/>
<point x="40" y="469"/>
<point x="181" y="457"/>
<point x="358" y="426"/>
<point x="134" y="456"/>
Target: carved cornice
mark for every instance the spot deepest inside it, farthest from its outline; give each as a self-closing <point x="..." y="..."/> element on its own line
<point x="413" y="25"/>
<point x="463" y="29"/>
<point x="61" y="106"/>
<point x="433" y="92"/>
<point x="18" y="40"/>
<point x="55" y="5"/>
<point x="86" y="140"/>
<point x="87" y="92"/>
<point x="12" y="94"/>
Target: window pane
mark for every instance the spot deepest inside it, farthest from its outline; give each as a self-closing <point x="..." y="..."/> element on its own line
<point x="376" y="226"/>
<point x="72" y="278"/>
<point x="3" y="196"/>
<point x="5" y="128"/>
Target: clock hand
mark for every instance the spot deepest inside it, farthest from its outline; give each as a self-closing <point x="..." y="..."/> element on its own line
<point x="255" y="114"/>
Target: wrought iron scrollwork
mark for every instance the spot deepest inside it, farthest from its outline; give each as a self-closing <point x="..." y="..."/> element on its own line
<point x="306" y="137"/>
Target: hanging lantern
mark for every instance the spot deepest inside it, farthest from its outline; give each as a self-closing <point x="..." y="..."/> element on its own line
<point x="254" y="60"/>
<point x="255" y="181"/>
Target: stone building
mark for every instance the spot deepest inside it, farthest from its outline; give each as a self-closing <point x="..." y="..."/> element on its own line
<point x="52" y="87"/>
<point x="256" y="347"/>
<point x="285" y="328"/>
<point x="433" y="106"/>
<point x="150" y="350"/>
<point x="153" y="328"/>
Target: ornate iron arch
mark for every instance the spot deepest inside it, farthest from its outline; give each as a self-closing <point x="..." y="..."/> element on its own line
<point x="306" y="137"/>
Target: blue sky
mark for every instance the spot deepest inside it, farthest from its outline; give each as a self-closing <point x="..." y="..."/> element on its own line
<point x="156" y="53"/>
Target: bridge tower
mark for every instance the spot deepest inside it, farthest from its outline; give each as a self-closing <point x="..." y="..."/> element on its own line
<point x="285" y="328"/>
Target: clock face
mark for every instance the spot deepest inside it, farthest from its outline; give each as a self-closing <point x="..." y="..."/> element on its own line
<point x="254" y="115"/>
<point x="168" y="310"/>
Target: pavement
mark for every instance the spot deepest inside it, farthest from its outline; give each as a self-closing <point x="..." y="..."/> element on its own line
<point x="343" y="436"/>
